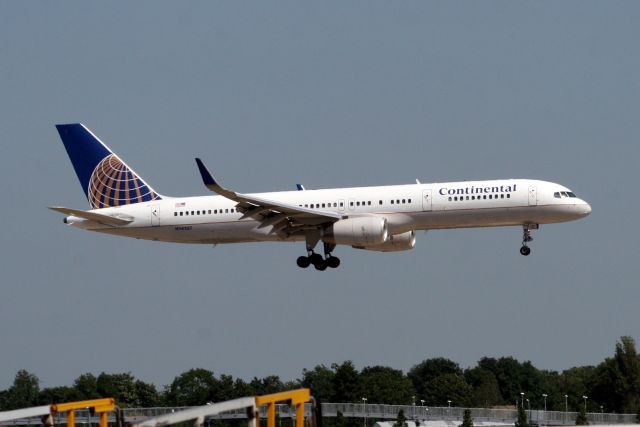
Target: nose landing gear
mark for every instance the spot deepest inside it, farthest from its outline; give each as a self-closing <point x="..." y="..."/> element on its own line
<point x="526" y="238"/>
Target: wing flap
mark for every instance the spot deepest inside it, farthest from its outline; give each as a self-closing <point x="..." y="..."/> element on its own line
<point x="93" y="216"/>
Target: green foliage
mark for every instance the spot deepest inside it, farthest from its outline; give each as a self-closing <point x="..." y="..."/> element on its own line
<point x="320" y="381"/>
<point x="87" y="387"/>
<point x="401" y="420"/>
<point x="467" y="421"/>
<point x="346" y="384"/>
<point x="24" y="392"/>
<point x="448" y="387"/>
<point x="192" y="388"/>
<point x="58" y="395"/>
<point x="486" y="392"/>
<point x="380" y="384"/>
<point x="428" y="370"/>
<point x="638" y="416"/>
<point x="522" y="420"/>
<point x="581" y="418"/>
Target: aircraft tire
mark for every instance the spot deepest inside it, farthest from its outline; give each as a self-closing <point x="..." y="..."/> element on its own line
<point x="525" y="250"/>
<point x="321" y="266"/>
<point x="316" y="259"/>
<point x="303" y="261"/>
<point x="333" y="262"/>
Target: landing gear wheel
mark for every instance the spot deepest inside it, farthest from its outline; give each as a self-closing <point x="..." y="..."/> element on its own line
<point x="322" y="266"/>
<point x="525" y="250"/>
<point x="303" y="261"/>
<point x="316" y="259"/>
<point x="333" y="262"/>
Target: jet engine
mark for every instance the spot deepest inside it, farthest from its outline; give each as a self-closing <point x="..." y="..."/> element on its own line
<point x="358" y="231"/>
<point x="394" y="243"/>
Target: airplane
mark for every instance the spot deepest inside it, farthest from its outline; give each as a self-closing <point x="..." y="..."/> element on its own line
<point x="383" y="219"/>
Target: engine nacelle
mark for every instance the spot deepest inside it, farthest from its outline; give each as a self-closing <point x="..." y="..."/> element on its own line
<point x="394" y="243"/>
<point x="358" y="231"/>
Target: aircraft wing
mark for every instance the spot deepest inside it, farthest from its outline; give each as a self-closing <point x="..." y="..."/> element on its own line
<point x="92" y="216"/>
<point x="273" y="213"/>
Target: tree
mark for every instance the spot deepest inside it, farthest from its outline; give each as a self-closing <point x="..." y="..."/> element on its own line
<point x="58" y="395"/>
<point x="401" y="420"/>
<point x="522" y="420"/>
<point x="467" y="421"/>
<point x="447" y="387"/>
<point x="581" y="418"/>
<point x="121" y="387"/>
<point x="320" y="381"/>
<point x="192" y="388"/>
<point x="628" y="382"/>
<point x="24" y="392"/>
<point x="486" y="392"/>
<point x="430" y="369"/>
<point x="386" y="385"/>
<point x="87" y="386"/>
<point x="346" y="382"/>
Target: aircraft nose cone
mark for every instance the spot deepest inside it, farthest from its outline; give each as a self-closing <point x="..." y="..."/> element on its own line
<point x="585" y="209"/>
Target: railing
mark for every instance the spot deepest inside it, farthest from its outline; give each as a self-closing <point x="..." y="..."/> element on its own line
<point x="359" y="410"/>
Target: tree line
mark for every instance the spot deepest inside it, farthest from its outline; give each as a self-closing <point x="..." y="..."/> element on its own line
<point x="611" y="386"/>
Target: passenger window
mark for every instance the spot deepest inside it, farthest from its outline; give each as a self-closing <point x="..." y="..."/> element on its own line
<point x="226" y="211"/>
<point x="181" y="213"/>
<point x="392" y="202"/>
<point x="175" y="214"/>
<point x="397" y="201"/>
<point x="357" y="203"/>
<point x="340" y="204"/>
<point x="449" y="198"/>
<point x="306" y="205"/>
<point x="350" y="203"/>
<point x="369" y="203"/>
<point x="467" y="197"/>
<point x="335" y="205"/>
<point x="192" y="212"/>
<point x="508" y="196"/>
<point x="502" y="196"/>
<point x="473" y="197"/>
<point x="455" y="198"/>
<point x="187" y="213"/>
<point x="404" y="201"/>
<point x="484" y="197"/>
<point x="380" y="202"/>
<point x="409" y="201"/>
<point x="323" y="205"/>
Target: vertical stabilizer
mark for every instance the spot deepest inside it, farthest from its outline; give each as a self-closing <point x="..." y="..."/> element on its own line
<point x="105" y="178"/>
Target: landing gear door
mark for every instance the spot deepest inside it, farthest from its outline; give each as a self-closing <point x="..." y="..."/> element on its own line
<point x="427" y="202"/>
<point x="155" y="216"/>
<point x="533" y="196"/>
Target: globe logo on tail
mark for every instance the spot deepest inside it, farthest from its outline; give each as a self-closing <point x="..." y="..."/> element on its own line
<point x="112" y="183"/>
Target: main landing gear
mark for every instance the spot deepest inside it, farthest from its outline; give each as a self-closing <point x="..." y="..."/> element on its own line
<point x="526" y="238"/>
<point x="319" y="262"/>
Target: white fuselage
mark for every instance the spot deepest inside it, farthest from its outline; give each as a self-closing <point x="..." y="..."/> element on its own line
<point x="214" y="219"/>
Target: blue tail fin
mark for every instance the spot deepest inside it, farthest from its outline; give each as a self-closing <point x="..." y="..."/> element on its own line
<point x="105" y="178"/>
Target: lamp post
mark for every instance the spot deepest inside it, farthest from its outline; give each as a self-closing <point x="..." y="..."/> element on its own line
<point x="566" y="407"/>
<point x="364" y="402"/>
<point x="529" y="410"/>
<point x="421" y="402"/>
<point x="545" y="401"/>
<point x="449" y="402"/>
<point x="522" y="399"/>
<point x="585" y="403"/>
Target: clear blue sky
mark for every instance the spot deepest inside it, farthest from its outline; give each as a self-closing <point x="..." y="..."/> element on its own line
<point x="327" y="94"/>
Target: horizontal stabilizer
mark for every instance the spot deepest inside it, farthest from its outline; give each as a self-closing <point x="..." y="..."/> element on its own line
<point x="92" y="216"/>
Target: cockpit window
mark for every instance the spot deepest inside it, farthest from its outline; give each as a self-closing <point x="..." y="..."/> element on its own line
<point x="559" y="194"/>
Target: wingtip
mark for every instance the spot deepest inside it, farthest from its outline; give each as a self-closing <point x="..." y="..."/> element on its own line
<point x="207" y="178"/>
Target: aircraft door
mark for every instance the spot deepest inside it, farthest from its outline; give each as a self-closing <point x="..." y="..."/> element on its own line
<point x="533" y="196"/>
<point x="427" y="203"/>
<point x="155" y="216"/>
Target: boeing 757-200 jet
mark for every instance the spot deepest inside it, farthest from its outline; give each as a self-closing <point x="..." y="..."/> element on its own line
<point x="380" y="219"/>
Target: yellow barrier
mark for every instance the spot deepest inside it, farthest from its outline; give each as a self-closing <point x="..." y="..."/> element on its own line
<point x="297" y="398"/>
<point x="101" y="407"/>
